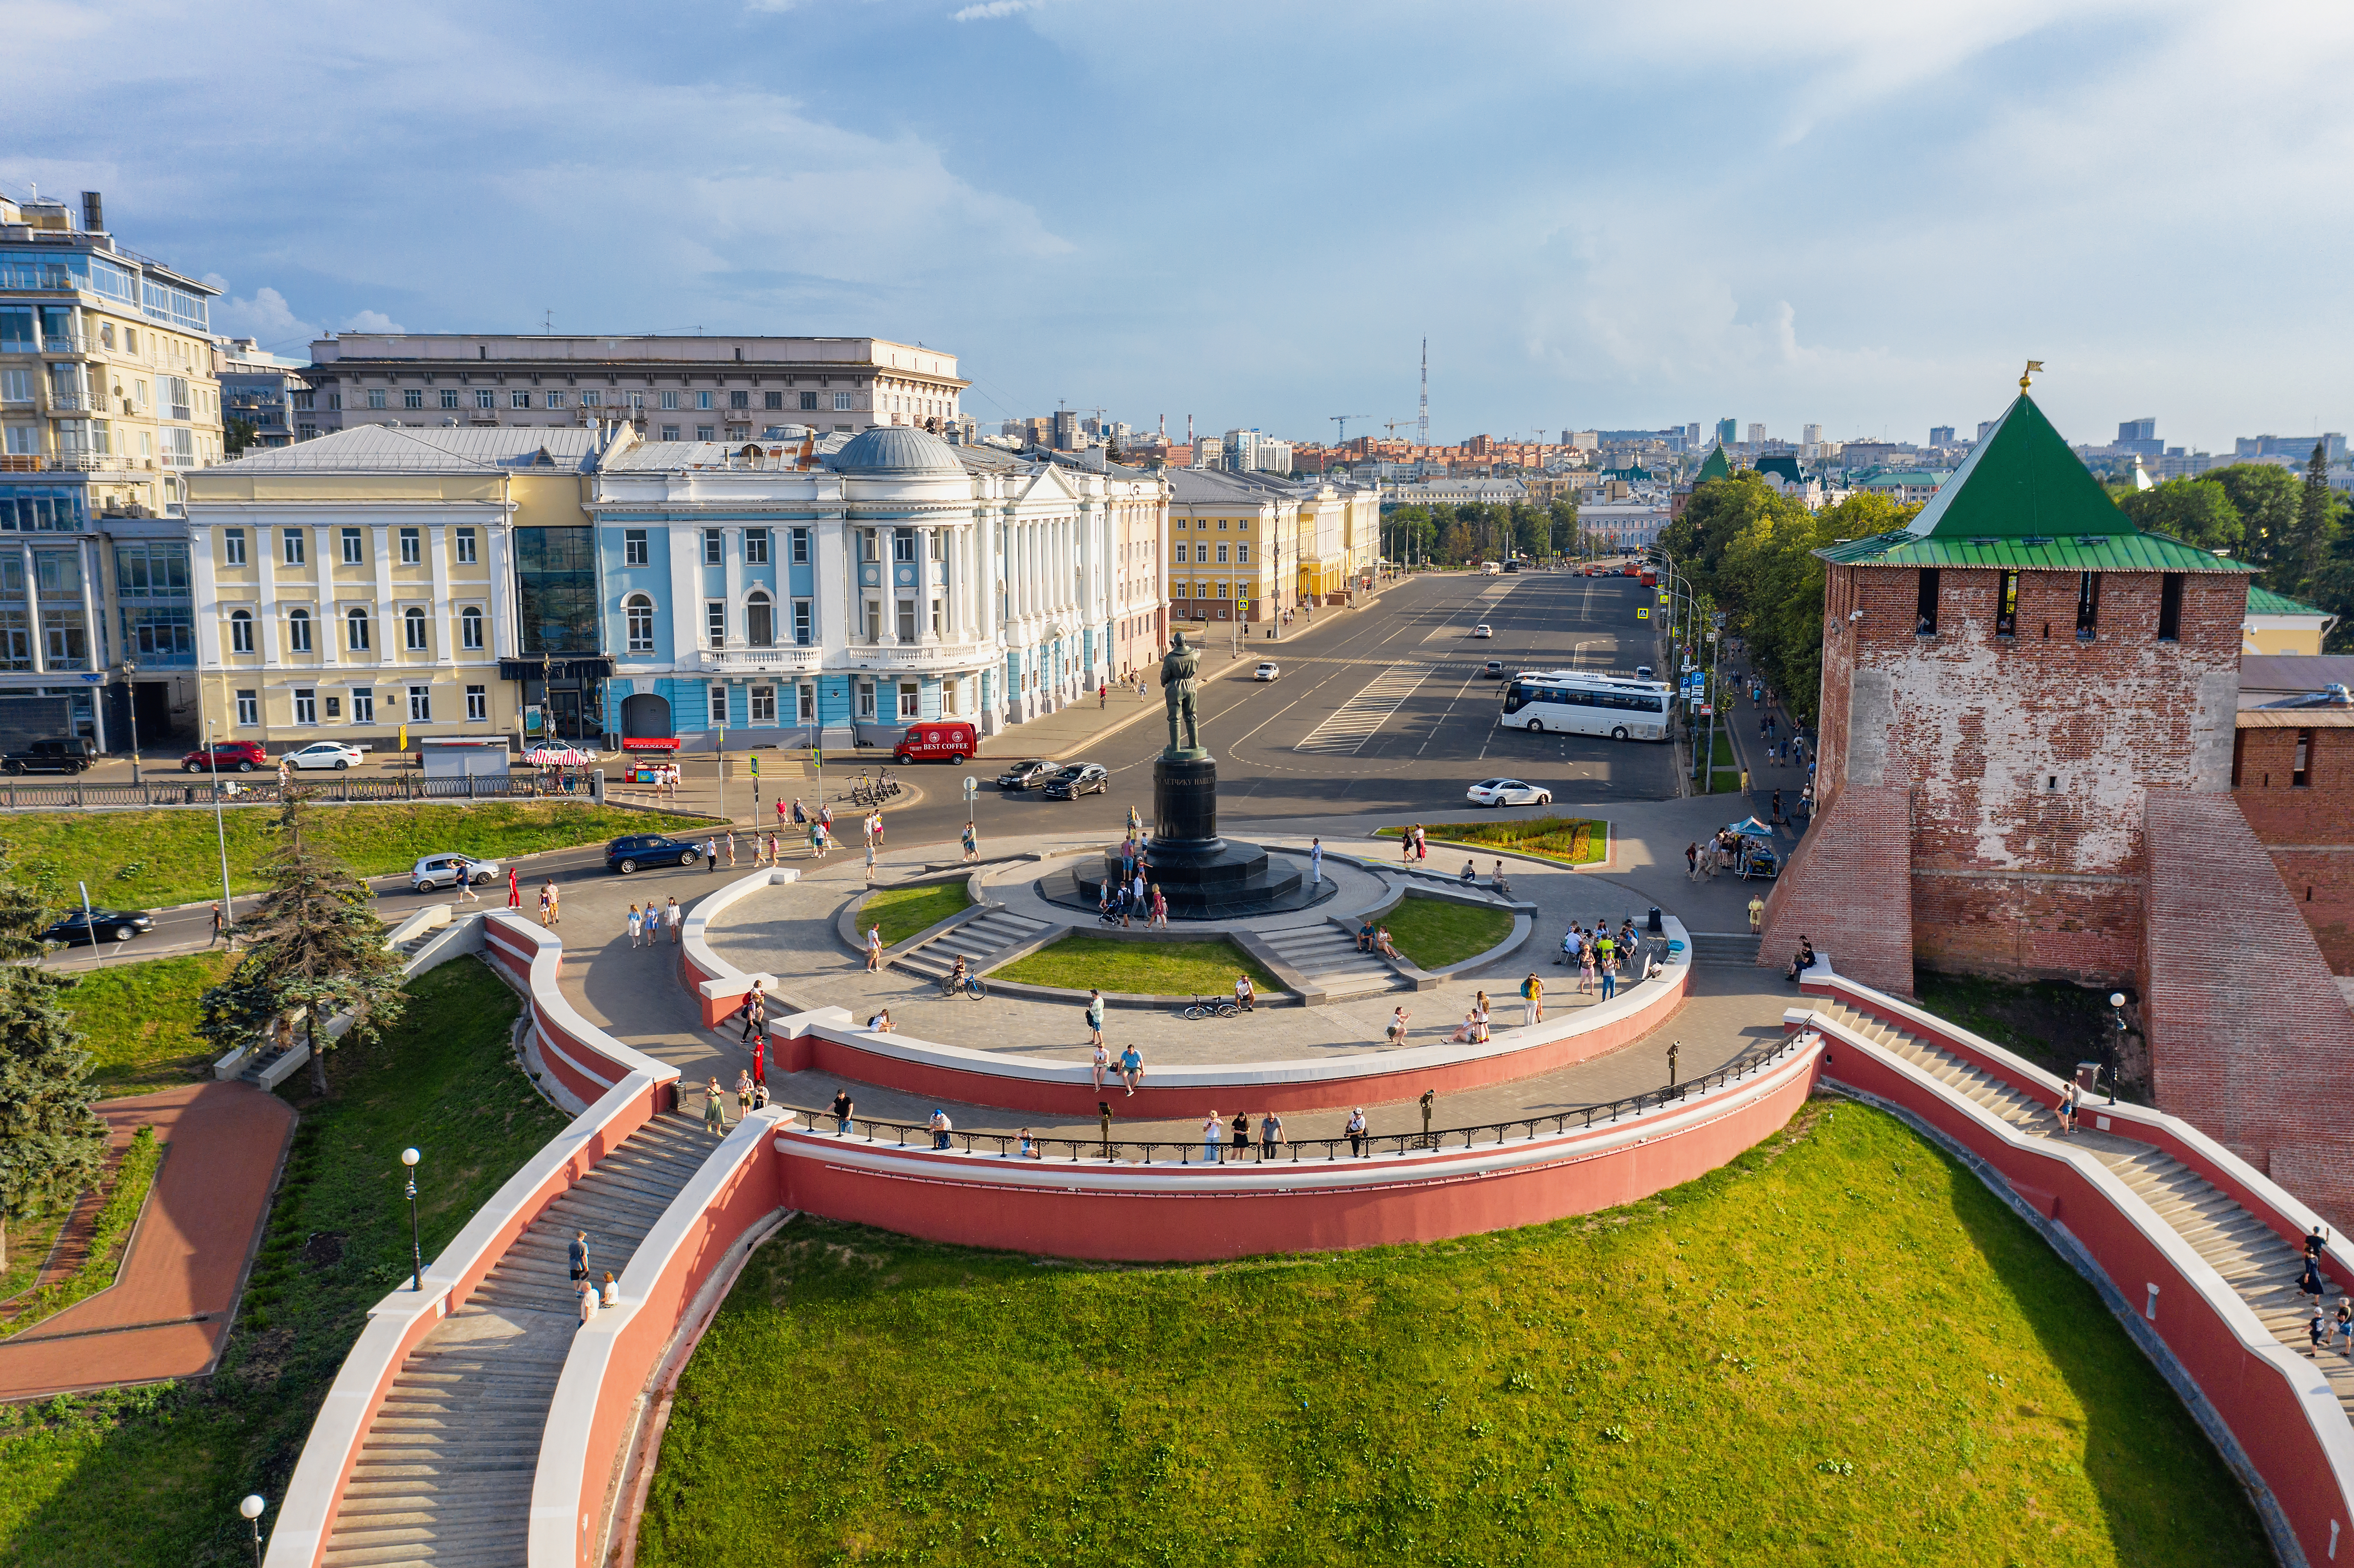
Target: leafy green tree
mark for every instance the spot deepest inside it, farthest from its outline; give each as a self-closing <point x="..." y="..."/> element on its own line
<point x="2266" y="497"/>
<point x="312" y="944"/>
<point x="2199" y="511"/>
<point x="51" y="1142"/>
<point x="1562" y="531"/>
<point x="237" y="434"/>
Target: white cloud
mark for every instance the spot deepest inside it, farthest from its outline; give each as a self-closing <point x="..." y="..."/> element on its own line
<point x="266" y="318"/>
<point x="372" y="321"/>
<point x="992" y="9"/>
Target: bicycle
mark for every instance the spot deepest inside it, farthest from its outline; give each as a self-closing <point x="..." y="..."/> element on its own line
<point x="1213" y="1007"/>
<point x="969" y="986"/>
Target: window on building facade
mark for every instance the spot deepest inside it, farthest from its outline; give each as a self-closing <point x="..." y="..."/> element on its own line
<point x="739" y="399"/>
<point x="556" y="587"/>
<point x="555" y="399"/>
<point x="873" y="620"/>
<point x="240" y="631"/>
<point x="809" y="401"/>
<point x="249" y="708"/>
<point x="634" y="548"/>
<point x="334" y="400"/>
<point x="2088" y="605"/>
<point x="707" y="432"/>
<point x="718" y="706"/>
<point x="911" y="699"/>
<point x="483" y="399"/>
<point x="470" y="628"/>
<point x="761" y="704"/>
<point x="670" y="400"/>
<point x="1924" y="605"/>
<point x="519" y="399"/>
<point x="775" y="400"/>
<point x="362" y="705"/>
<point x="868" y="545"/>
<point x="421" y="704"/>
<point x="806" y="704"/>
<point x="1222" y="554"/>
<point x="355" y="552"/>
<point x="376" y="397"/>
<point x="306" y="706"/>
<point x="903" y="544"/>
<point x="298" y="631"/>
<point x="865" y="699"/>
<point x="714" y="623"/>
<point x="67" y="638"/>
<point x="592" y="399"/>
<point x="2302" y="776"/>
<point x="638" y="614"/>
<point x="670" y="433"/>
<point x="939" y="624"/>
<point x="463" y="539"/>
<point x="1201" y="553"/>
<point x="233" y="547"/>
<point x="292" y="546"/>
<point x="1242" y="554"/>
<point x="842" y="402"/>
<point x="412" y="629"/>
<point x="2006" y="608"/>
<point x="412" y="548"/>
<point x="449" y="396"/>
<point x="2170" y="608"/>
<point x="800" y="546"/>
<point x="756" y="546"/>
<point x="412" y="397"/>
<point x="759" y="622"/>
<point x="478" y="705"/>
<point x="355" y="629"/>
<point x="802" y="628"/>
<point x="714" y="551"/>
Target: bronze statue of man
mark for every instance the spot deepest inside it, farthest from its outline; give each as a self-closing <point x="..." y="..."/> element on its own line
<point x="1177" y="688"/>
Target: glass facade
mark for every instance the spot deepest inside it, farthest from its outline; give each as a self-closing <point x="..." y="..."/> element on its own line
<point x="41" y="508"/>
<point x="556" y="590"/>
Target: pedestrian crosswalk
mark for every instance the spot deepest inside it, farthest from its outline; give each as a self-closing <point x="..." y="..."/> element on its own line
<point x="1354" y="721"/>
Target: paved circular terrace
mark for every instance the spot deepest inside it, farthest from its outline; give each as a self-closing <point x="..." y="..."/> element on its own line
<point x="791" y="930"/>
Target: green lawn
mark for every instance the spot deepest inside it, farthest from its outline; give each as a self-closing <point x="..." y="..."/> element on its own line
<point x="903" y="911"/>
<point x="151" y="1477"/>
<point x="1572" y="841"/>
<point x="128" y="1185"/>
<point x="139" y="1020"/>
<point x="144" y="859"/>
<point x="2052" y="1024"/>
<point x="1840" y="1348"/>
<point x="1146" y="969"/>
<point x="1725" y="769"/>
<point x="1434" y="933"/>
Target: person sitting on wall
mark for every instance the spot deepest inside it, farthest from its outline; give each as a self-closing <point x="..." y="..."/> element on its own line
<point x="1365" y="936"/>
<point x="881" y="1023"/>
<point x="1471" y="877"/>
<point x="1383" y="944"/>
<point x="1803" y="959"/>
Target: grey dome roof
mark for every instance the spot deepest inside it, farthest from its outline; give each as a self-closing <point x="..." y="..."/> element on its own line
<point x="896" y="448"/>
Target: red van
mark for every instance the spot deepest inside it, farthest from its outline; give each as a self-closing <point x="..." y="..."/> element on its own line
<point x="948" y="741"/>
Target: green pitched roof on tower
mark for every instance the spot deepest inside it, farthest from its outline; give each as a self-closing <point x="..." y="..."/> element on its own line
<point x="1716" y="466"/>
<point x="2024" y="500"/>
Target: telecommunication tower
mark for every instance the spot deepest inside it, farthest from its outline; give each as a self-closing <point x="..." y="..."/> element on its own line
<point x="1422" y="424"/>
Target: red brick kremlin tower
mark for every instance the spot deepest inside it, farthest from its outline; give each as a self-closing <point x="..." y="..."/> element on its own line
<point x="2025" y="771"/>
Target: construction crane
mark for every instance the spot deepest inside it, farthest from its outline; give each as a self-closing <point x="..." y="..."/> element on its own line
<point x="1343" y="420"/>
<point x="1393" y="426"/>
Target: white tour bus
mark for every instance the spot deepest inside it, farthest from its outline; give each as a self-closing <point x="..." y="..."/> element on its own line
<point x="1571" y="702"/>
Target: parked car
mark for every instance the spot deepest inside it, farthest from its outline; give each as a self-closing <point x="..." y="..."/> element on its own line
<point x="72" y="753"/>
<point x="1507" y="792"/>
<point x="1483" y="630"/>
<point x="1266" y="671"/>
<point x="626" y="854"/>
<point x="228" y="756"/>
<point x="948" y="741"/>
<point x="1022" y="775"/>
<point x="442" y="871"/>
<point x="332" y="754"/>
<point x="1080" y="778"/>
<point x="1493" y="669"/>
<point x="111" y="925"/>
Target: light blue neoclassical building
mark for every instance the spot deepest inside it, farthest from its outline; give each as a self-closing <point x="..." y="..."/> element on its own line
<point x="753" y="594"/>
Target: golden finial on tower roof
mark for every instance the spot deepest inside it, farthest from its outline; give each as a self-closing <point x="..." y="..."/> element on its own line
<point x="2032" y="366"/>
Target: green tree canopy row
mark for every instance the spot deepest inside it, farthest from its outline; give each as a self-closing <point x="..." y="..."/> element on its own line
<point x="1479" y="531"/>
<point x="2291" y="529"/>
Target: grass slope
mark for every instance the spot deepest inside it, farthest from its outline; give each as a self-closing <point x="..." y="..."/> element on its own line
<point x="1145" y="969"/>
<point x="1572" y="841"/>
<point x="1433" y="932"/>
<point x="151" y="1477"/>
<point x="1839" y="1348"/>
<point x="142" y="859"/>
<point x="127" y="1187"/>
<point x="903" y="911"/>
<point x="138" y="1021"/>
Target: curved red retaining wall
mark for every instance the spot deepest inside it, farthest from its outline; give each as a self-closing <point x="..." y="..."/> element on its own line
<point x="1173" y="1214"/>
<point x="859" y="1056"/>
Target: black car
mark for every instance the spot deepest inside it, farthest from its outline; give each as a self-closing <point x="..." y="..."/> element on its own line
<point x="71" y="755"/>
<point x="1022" y="775"/>
<point x="626" y="854"/>
<point x="111" y="925"/>
<point x="1080" y="778"/>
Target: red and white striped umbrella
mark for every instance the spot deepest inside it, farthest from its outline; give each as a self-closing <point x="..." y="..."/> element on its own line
<point x="559" y="756"/>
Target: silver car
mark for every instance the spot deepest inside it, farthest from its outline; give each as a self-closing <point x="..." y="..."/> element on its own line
<point x="442" y="871"/>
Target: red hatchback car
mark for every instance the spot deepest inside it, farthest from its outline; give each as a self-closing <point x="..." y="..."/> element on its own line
<point x="228" y="757"/>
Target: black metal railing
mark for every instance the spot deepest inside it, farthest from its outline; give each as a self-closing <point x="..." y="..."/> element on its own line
<point x="1006" y="1145"/>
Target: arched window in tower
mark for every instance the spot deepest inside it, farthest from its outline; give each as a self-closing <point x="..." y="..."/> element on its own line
<point x="639" y="611"/>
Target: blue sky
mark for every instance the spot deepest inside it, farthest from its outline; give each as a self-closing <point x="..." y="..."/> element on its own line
<point x="1860" y="215"/>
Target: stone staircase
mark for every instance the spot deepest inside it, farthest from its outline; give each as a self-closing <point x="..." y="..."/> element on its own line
<point x="444" y="1474"/>
<point x="1724" y="948"/>
<point x="1327" y="957"/>
<point x="985" y="940"/>
<point x="2259" y="1265"/>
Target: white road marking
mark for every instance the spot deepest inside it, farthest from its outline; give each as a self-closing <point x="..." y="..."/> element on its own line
<point x="1353" y="723"/>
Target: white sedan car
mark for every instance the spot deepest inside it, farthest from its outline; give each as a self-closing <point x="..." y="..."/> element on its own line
<point x="325" y="754"/>
<point x="1507" y="792"/>
<point x="1266" y="673"/>
<point x="442" y="871"/>
<point x="1483" y="630"/>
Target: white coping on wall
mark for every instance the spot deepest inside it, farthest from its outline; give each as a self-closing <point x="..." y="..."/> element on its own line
<point x="551" y="1007"/>
<point x="727" y="978"/>
<point x="2332" y="1430"/>
<point x="1167" y="1177"/>
<point x="560" y="1483"/>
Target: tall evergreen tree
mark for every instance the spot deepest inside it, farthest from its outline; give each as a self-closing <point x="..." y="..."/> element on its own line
<point x="2316" y="521"/>
<point x="312" y="944"/>
<point x="51" y="1142"/>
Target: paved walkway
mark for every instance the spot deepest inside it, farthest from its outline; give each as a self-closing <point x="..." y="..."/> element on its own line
<point x="167" y="1313"/>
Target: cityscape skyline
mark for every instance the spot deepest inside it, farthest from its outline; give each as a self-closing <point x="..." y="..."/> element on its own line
<point x="1899" y="215"/>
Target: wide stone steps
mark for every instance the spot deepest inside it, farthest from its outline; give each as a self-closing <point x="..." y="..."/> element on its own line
<point x="444" y="1472"/>
<point x="1328" y="956"/>
<point x="985" y="940"/>
<point x="1725" y="947"/>
<point x="2256" y="1262"/>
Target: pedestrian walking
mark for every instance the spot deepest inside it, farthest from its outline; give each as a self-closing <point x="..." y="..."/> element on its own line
<point x="2067" y="1109"/>
<point x="515" y="889"/>
<point x="710" y="856"/>
<point x="731" y="849"/>
<point x="1095" y="1017"/>
<point x="551" y="910"/>
<point x="715" y="1115"/>
<point x="1356" y="1131"/>
<point x="1692" y="860"/>
<point x="756" y="1011"/>
<point x="1315" y="862"/>
<point x="576" y="1256"/>
<point x="1675" y="1048"/>
<point x="870" y="862"/>
<point x="1608" y="967"/>
<point x="1131" y="1068"/>
<point x="2309" y="1282"/>
<point x="1103" y="694"/>
<point x="673" y="917"/>
<point x="1777" y="806"/>
<point x="221" y="925"/>
<point x="873" y="950"/>
<point x="1270" y="1136"/>
<point x="972" y="844"/>
<point x="2345" y="1326"/>
<point x="637" y="924"/>
<point x="1160" y="908"/>
<point x="842" y="1106"/>
<point x="1532" y="997"/>
<point x="759" y="1068"/>
<point x="464" y="872"/>
<point x="1213" y="1132"/>
<point x="1756" y="914"/>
